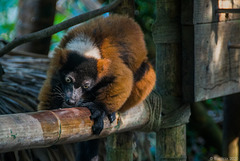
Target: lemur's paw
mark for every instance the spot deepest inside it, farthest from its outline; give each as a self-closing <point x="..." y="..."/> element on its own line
<point x="97" y="114"/>
<point x="111" y="117"/>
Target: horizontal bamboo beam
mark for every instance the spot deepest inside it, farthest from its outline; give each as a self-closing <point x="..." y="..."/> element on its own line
<point x="46" y="128"/>
<point x="68" y="125"/>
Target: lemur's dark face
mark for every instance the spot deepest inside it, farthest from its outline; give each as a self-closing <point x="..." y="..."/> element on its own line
<point x="77" y="76"/>
<point x="74" y="89"/>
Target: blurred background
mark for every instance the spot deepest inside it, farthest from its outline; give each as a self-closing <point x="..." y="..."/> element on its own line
<point x="204" y="132"/>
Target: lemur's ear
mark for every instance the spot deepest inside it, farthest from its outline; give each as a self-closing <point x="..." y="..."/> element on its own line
<point x="59" y="58"/>
<point x="103" y="67"/>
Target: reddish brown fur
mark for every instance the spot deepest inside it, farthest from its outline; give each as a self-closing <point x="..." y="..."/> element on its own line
<point x="141" y="89"/>
<point x="123" y="83"/>
<point x="112" y="29"/>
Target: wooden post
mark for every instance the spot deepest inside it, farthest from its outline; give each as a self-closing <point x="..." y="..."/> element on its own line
<point x="171" y="142"/>
<point x="34" y="16"/>
<point x="119" y="146"/>
<point x="231" y="127"/>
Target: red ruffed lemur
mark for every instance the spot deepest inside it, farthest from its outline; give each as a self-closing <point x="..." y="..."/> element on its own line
<point x="101" y="65"/>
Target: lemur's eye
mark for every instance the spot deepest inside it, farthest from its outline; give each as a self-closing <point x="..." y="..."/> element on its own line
<point x="86" y="84"/>
<point x="68" y="79"/>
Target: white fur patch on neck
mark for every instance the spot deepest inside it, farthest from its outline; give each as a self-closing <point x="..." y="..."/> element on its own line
<point x="84" y="46"/>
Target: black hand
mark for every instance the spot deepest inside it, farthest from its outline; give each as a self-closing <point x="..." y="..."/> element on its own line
<point x="97" y="114"/>
<point x="91" y="105"/>
<point x="112" y="117"/>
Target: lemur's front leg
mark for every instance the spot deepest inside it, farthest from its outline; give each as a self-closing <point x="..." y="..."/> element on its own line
<point x="97" y="114"/>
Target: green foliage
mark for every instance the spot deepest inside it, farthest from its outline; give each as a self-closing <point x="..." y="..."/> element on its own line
<point x="57" y="37"/>
<point x="145" y="14"/>
<point x="6" y="4"/>
<point x="8" y="14"/>
<point x="65" y="10"/>
<point x="215" y="104"/>
<point x="8" y="17"/>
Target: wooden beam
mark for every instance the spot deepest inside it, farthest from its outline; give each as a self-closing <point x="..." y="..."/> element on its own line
<point x="47" y="128"/>
<point x="210" y="68"/>
<point x="208" y="11"/>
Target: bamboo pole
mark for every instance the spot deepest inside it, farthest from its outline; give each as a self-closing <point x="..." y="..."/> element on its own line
<point x="68" y="125"/>
<point x="119" y="146"/>
<point x="170" y="141"/>
<point x="47" y="128"/>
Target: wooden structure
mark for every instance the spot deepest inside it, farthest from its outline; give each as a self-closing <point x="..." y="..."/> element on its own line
<point x="210" y="65"/>
<point x="196" y="60"/>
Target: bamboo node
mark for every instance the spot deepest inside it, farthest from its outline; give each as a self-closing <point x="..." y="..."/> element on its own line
<point x="59" y="125"/>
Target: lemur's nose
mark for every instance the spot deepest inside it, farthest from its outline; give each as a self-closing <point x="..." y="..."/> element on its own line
<point x="70" y="101"/>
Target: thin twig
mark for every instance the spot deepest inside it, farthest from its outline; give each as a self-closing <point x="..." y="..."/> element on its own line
<point x="59" y="27"/>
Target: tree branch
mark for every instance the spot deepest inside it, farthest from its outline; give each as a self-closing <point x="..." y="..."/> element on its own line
<point x="59" y="27"/>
